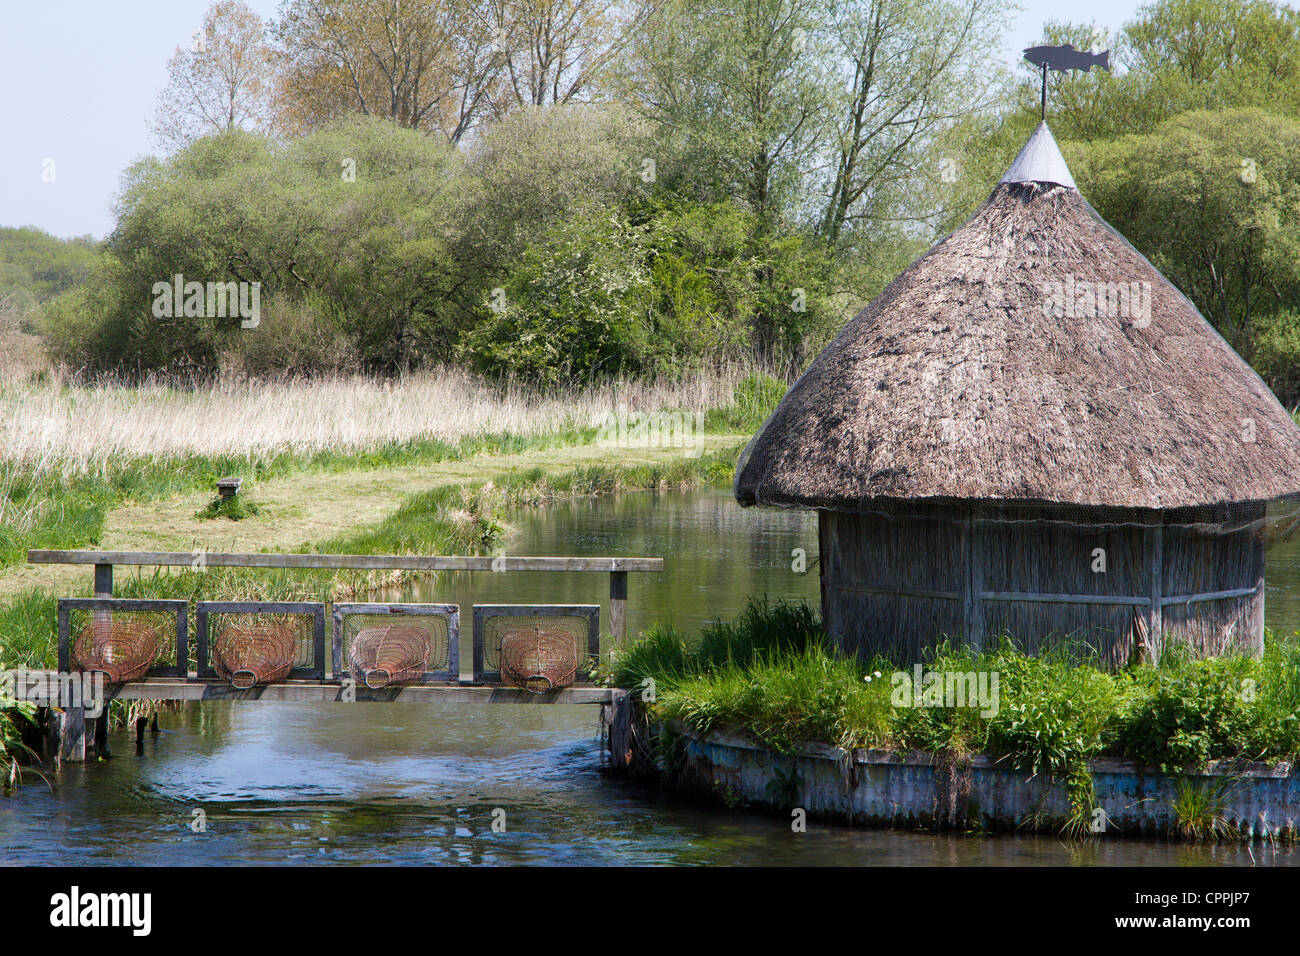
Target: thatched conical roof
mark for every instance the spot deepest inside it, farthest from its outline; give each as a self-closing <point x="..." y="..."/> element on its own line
<point x="1009" y="364"/>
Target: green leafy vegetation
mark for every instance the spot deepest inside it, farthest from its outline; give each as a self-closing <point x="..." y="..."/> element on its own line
<point x="39" y="266"/>
<point x="719" y="183"/>
<point x="234" y="508"/>
<point x="1199" y="809"/>
<point x="773" y="675"/>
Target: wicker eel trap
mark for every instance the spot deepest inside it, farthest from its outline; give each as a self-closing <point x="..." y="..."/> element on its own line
<point x="122" y="650"/>
<point x="250" y="654"/>
<point x="389" y="654"/>
<point x="538" y="660"/>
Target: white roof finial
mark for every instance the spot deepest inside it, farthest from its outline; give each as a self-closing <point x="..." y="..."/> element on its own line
<point x="1040" y="161"/>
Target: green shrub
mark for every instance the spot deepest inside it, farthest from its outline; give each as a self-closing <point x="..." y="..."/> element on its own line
<point x="1193" y="712"/>
<point x="571" y="307"/>
<point x="762" y="628"/>
<point x="784" y="699"/>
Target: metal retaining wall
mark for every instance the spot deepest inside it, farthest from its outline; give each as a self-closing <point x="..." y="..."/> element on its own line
<point x="917" y="789"/>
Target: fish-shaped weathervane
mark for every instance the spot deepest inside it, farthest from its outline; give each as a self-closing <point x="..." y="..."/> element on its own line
<point x="1066" y="58"/>
<point x="1062" y="58"/>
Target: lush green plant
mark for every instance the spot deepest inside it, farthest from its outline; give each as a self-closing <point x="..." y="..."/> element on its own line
<point x="773" y="675"/>
<point x="1277" y="357"/>
<point x="1198" y="807"/>
<point x="42" y="264"/>
<point x="1192" y="712"/>
<point x="1212" y="199"/>
<point x="13" y="714"/>
<point x="660" y="654"/>
<point x="570" y="307"/>
<point x="756" y="397"/>
<point x="784" y="698"/>
<point x="369" y="236"/>
<point x="235" y="508"/>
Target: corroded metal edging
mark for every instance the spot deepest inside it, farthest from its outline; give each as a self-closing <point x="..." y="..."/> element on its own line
<point x="890" y="788"/>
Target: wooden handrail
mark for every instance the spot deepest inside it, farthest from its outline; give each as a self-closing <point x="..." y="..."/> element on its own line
<point x="360" y="562"/>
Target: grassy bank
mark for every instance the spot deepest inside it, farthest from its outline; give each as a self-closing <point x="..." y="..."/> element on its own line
<point x="70" y="455"/>
<point x="774" y="676"/>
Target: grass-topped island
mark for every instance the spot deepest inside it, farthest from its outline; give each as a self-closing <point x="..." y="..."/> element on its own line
<point x="766" y="711"/>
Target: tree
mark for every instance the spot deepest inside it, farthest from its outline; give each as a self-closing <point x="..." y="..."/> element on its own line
<point x="556" y="51"/>
<point x="1213" y="199"/>
<point x="912" y="69"/>
<point x="739" y="91"/>
<point x="424" y="64"/>
<point x="360" y="251"/>
<point x="221" y="83"/>
<point x="536" y="168"/>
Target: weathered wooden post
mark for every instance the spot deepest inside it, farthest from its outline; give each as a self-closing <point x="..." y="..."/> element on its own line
<point x="1154" y="543"/>
<point x="618" y="606"/>
<point x="103" y="582"/>
<point x="103" y="589"/>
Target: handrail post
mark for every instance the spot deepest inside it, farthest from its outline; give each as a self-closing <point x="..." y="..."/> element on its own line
<point x="103" y="580"/>
<point x="618" y="606"/>
<point x="103" y="589"/>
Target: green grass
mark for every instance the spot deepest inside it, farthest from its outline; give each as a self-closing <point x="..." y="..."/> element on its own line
<point x="1199" y="809"/>
<point x="773" y="675"/>
<point x="234" y="508"/>
<point x="58" y="511"/>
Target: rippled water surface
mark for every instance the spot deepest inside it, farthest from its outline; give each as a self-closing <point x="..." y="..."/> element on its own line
<point x="309" y="783"/>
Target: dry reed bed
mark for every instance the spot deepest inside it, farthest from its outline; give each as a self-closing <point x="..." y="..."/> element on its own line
<point x="56" y="424"/>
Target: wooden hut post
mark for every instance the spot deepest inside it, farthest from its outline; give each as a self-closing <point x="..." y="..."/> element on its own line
<point x="1154" y="540"/>
<point x="972" y="556"/>
<point x="825" y="554"/>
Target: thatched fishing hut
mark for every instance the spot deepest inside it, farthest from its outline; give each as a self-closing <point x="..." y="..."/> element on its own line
<point x="1032" y="431"/>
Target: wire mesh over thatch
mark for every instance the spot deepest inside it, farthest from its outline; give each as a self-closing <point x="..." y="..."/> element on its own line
<point x="250" y="654"/>
<point x="539" y="660"/>
<point x="123" y="650"/>
<point x="1031" y="355"/>
<point x="387" y="655"/>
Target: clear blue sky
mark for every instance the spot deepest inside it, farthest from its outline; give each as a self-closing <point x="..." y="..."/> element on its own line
<point x="79" y="80"/>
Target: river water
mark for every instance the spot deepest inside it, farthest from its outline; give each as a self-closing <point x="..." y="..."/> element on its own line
<point x="315" y="783"/>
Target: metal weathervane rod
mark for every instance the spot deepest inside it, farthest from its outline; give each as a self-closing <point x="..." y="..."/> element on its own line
<point x="1061" y="59"/>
